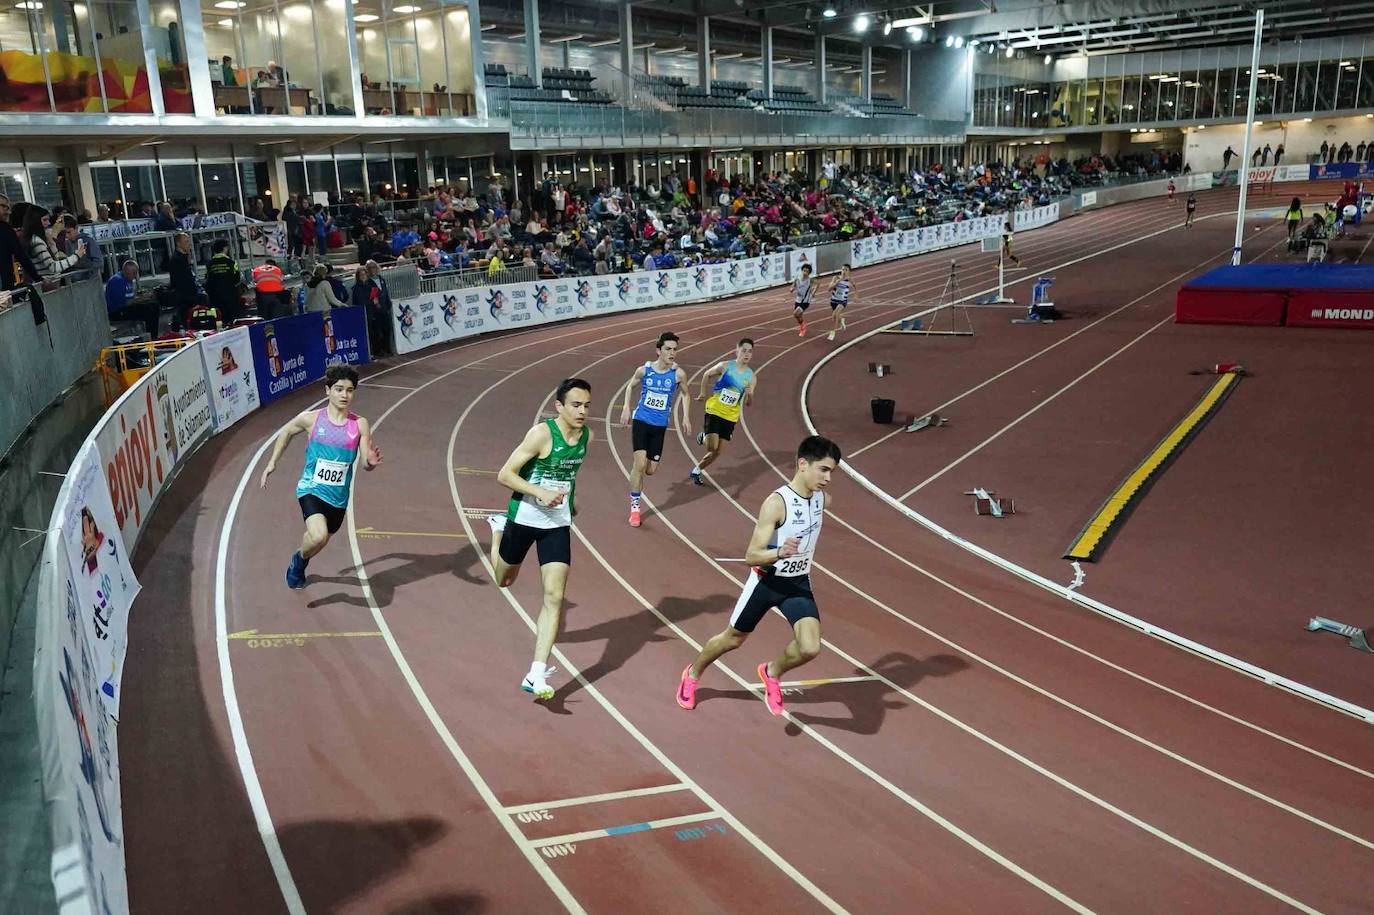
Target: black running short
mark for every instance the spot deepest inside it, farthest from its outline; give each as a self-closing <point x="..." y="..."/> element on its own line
<point x="314" y="505"/>
<point x="762" y="592"/>
<point x="648" y="438"/>
<point x="554" y="544"/>
<point x="802" y="305"/>
<point x="717" y="425"/>
<point x="834" y="304"/>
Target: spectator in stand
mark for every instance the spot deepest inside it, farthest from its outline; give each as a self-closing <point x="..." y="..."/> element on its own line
<point x="379" y="312"/>
<point x="73" y="238"/>
<point x="1359" y="152"/>
<point x="324" y="224"/>
<point x="1226" y="158"/>
<point x="42" y="251"/>
<point x="319" y="294"/>
<point x="181" y="273"/>
<point x="120" y="292"/>
<point x="164" y="221"/>
<point x="16" y="267"/>
<point x="292" y="217"/>
<point x="1278" y="154"/>
<point x="223" y="282"/>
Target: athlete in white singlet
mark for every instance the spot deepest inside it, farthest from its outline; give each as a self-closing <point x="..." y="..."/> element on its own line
<point x="780" y="553"/>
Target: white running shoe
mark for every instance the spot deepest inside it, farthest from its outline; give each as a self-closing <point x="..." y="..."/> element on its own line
<point x="830" y="336"/>
<point x="497" y="522"/>
<point x="538" y="685"/>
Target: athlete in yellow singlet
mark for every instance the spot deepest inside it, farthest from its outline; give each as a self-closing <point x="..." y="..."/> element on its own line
<point x="733" y="388"/>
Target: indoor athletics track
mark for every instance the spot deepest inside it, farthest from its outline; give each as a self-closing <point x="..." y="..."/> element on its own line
<point x="966" y="742"/>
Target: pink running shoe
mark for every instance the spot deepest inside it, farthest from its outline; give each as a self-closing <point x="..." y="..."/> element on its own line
<point x="801" y="332"/>
<point x="687" y="690"/>
<point x="772" y="690"/>
<point x="634" y="517"/>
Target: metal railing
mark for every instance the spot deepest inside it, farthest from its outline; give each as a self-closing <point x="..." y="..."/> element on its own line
<point x="449" y="280"/>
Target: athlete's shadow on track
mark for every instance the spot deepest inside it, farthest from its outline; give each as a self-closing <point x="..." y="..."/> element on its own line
<point x="625" y="636"/>
<point x="868" y="702"/>
<point x="732" y="475"/>
<point x="361" y="854"/>
<point x="400" y="569"/>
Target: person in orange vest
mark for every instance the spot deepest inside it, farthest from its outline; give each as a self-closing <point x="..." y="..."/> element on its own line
<point x="271" y="290"/>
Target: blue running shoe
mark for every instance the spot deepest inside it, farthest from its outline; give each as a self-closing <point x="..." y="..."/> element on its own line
<point x="295" y="572"/>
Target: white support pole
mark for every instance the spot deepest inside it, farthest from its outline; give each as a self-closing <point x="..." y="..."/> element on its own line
<point x="1249" y="129"/>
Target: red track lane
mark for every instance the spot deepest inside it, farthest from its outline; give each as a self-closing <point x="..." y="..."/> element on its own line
<point x="996" y="767"/>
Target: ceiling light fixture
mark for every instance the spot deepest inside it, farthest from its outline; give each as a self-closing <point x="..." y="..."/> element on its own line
<point x="949" y="41"/>
<point x="829" y="12"/>
<point x="1047" y="60"/>
<point x="226" y="23"/>
<point x="1011" y="52"/>
<point x="366" y="17"/>
<point x="887" y="27"/>
<point x="405" y="9"/>
<point x="915" y="32"/>
<point x="861" y="22"/>
<point x="958" y="41"/>
<point x="230" y="5"/>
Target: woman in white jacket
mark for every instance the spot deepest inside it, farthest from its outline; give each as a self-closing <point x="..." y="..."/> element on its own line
<point x="319" y="294"/>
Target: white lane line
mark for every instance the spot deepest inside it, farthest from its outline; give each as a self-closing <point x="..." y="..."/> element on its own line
<point x="1033" y="410"/>
<point x="391" y="387"/>
<point x="597" y="798"/>
<point x="625" y="830"/>
<point x="677" y="771"/>
<point x="262" y="816"/>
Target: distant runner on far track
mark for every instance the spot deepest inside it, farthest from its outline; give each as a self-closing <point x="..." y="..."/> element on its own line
<point x="1190" y="207"/>
<point x="336" y="438"/>
<point x="541" y="474"/>
<point x="780" y="553"/>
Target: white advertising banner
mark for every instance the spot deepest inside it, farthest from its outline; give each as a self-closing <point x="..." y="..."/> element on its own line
<point x="228" y="358"/>
<point x="79" y="748"/>
<point x="149" y="431"/>
<point x="104" y="581"/>
<point x="799" y="257"/>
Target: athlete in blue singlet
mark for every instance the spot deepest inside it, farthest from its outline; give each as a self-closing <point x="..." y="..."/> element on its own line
<point x="659" y="382"/>
<point x="336" y="437"/>
<point x="732" y="391"/>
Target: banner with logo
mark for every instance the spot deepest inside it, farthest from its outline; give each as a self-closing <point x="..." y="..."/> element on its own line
<point x="1345" y="170"/>
<point x="288" y="353"/>
<point x="799" y="257"/>
<point x="78" y="745"/>
<point x="228" y="358"/>
<point x="104" y="581"/>
<point x="149" y="431"/>
<point x="345" y="336"/>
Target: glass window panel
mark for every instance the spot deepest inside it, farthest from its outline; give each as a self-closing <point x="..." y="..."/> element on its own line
<point x="295" y="178"/>
<point x="46" y="186"/>
<point x="170" y="48"/>
<point x="408" y="176"/>
<point x="379" y="176"/>
<point x="254" y="183"/>
<point x="221" y="194"/>
<point x="183" y="186"/>
<point x="1111" y="102"/>
<point x="298" y="58"/>
<point x="321" y="172"/>
<point x="230" y="75"/>
<point x="1284" y="88"/>
<point x="1130" y="99"/>
<point x="107" y="193"/>
<point x="141" y="189"/>
<point x="25" y="87"/>
<point x="1326" y="85"/>
<point x="1347" y="76"/>
<point x="351" y="178"/>
<point x="1365" y="98"/>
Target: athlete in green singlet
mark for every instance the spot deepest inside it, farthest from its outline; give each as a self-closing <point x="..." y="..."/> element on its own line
<point x="541" y="474"/>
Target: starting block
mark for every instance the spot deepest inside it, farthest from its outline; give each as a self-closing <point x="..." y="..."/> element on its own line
<point x="921" y="422"/>
<point x="985" y="502"/>
<point x="1358" y="640"/>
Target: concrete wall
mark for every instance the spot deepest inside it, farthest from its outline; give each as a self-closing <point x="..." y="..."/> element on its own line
<point x="38" y="361"/>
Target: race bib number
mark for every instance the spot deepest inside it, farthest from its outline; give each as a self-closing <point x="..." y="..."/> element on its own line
<point x="656" y="400"/>
<point x="793" y="566"/>
<point x="330" y="473"/>
<point x="728" y="397"/>
<point x="563" y="486"/>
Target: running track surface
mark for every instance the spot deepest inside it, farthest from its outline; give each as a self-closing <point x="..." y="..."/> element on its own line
<point x="978" y="746"/>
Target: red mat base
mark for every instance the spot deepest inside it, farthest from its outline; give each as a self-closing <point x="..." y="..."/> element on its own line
<point x="1331" y="308"/>
<point x="1229" y="306"/>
